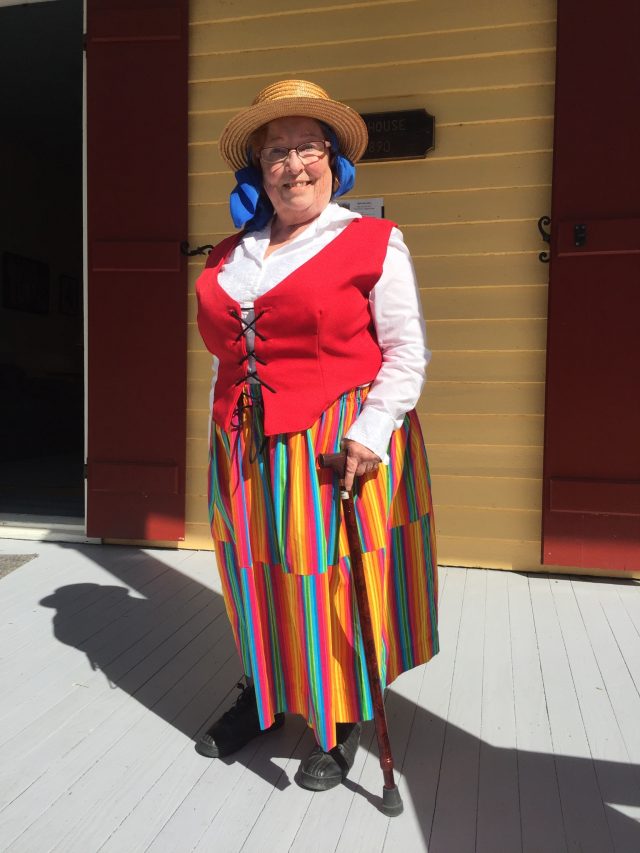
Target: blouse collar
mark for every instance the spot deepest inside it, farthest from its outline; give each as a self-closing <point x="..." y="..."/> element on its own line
<point x="255" y="243"/>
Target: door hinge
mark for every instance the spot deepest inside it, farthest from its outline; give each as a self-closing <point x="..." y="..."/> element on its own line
<point x="546" y="236"/>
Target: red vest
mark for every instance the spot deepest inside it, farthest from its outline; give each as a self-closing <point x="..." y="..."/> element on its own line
<point x="315" y="336"/>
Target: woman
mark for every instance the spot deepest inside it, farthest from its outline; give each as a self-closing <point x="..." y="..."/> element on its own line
<point x="314" y="315"/>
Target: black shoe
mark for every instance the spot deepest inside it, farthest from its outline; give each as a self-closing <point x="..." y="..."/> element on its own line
<point x="321" y="770"/>
<point x="235" y="727"/>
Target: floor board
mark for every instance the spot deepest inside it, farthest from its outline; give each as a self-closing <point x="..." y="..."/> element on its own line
<point x="498" y="790"/>
<point x="541" y="822"/>
<point x="583" y="812"/>
<point x="454" y="823"/>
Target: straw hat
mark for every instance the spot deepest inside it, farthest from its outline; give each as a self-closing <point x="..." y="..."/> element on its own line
<point x="293" y="98"/>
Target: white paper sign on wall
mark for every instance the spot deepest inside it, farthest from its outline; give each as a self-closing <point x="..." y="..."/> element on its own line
<point x="365" y="206"/>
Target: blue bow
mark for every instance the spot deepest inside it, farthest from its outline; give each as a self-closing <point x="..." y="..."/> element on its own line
<point x="249" y="206"/>
<point x="343" y="168"/>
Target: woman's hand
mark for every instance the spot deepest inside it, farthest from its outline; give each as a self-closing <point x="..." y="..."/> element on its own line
<point x="360" y="460"/>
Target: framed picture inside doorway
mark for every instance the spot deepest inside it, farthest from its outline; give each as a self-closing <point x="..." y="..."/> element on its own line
<point x="25" y="284"/>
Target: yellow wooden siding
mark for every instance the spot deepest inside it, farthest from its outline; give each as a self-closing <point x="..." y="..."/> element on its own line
<point x="468" y="213"/>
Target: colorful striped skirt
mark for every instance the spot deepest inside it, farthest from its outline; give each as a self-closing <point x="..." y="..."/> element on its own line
<point x="283" y="557"/>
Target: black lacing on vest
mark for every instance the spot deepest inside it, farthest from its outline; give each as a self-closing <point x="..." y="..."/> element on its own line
<point x="244" y="328"/>
<point x="251" y="401"/>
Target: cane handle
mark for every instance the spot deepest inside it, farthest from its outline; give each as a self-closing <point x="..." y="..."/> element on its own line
<point x="336" y="461"/>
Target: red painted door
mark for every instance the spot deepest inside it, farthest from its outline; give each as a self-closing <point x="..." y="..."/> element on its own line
<point x="137" y="280"/>
<point x="591" y="504"/>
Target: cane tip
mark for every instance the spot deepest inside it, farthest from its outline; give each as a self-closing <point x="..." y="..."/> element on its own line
<point x="391" y="802"/>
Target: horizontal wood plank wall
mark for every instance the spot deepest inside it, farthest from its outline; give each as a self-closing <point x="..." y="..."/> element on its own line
<point x="468" y="213"/>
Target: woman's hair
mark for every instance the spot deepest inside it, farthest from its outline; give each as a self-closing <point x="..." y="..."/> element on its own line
<point x="256" y="144"/>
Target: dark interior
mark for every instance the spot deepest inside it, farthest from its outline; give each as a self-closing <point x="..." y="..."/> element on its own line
<point x="41" y="270"/>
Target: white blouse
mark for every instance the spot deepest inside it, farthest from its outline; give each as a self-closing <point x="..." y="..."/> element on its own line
<point x="395" y="308"/>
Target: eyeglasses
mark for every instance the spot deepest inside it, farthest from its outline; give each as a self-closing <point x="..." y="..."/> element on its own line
<point x="308" y="152"/>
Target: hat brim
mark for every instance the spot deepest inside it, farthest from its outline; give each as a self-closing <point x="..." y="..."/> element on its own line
<point x="348" y="125"/>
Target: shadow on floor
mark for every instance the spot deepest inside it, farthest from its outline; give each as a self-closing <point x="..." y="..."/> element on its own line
<point x="160" y="644"/>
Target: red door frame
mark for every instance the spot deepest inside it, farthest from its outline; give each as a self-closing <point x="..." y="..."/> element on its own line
<point x="591" y="500"/>
<point x="137" y="136"/>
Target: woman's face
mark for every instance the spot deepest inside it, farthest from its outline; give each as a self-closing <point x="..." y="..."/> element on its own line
<point x="298" y="192"/>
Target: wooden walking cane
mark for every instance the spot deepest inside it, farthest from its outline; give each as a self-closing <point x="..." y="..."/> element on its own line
<point x="391" y="800"/>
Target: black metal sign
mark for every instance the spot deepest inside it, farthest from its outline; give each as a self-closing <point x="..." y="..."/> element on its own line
<point x="401" y="135"/>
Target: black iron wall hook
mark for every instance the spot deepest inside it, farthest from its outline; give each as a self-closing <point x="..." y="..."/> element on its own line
<point x="546" y="236"/>
<point x="199" y="250"/>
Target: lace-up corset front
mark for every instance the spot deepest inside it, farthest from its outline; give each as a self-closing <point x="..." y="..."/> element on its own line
<point x="248" y="330"/>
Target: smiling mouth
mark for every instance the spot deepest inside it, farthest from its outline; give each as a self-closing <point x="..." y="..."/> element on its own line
<point x="294" y="184"/>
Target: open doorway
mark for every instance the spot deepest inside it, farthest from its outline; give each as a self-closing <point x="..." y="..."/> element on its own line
<point x="41" y="262"/>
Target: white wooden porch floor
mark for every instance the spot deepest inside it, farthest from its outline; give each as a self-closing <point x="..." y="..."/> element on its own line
<point x="522" y="735"/>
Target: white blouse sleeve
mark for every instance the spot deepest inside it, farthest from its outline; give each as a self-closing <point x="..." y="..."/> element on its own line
<point x="397" y="315"/>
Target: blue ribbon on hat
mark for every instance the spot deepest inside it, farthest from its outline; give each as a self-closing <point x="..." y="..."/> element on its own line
<point x="249" y="206"/>
<point x="343" y="168"/>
